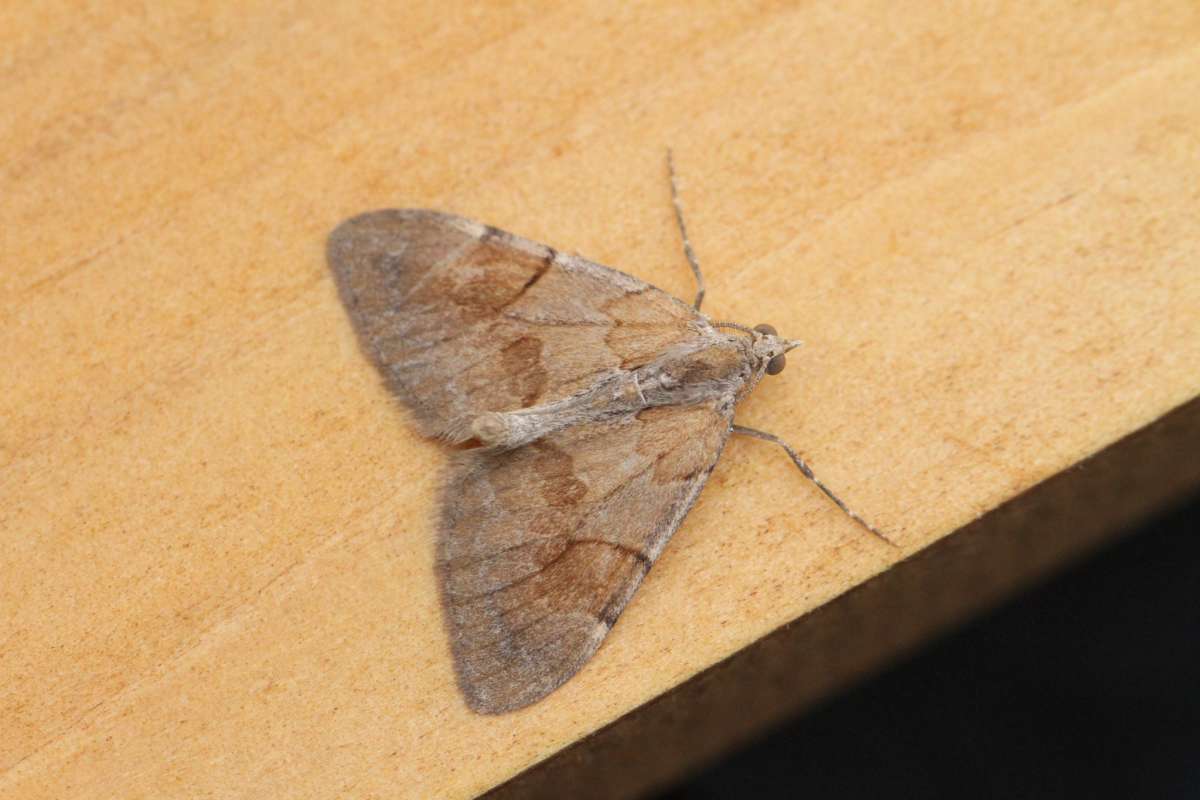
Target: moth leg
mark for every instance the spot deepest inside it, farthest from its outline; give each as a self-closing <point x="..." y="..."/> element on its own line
<point x="687" y="245"/>
<point x="808" y="473"/>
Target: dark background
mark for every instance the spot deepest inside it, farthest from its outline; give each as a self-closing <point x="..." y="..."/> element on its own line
<point x="1088" y="686"/>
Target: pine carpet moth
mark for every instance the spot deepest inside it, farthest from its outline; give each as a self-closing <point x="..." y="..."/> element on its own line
<point x="588" y="409"/>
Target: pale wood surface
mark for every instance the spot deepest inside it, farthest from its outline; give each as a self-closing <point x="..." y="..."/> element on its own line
<point x="216" y="566"/>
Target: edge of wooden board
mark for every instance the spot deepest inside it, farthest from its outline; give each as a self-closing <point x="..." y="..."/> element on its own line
<point x="868" y="627"/>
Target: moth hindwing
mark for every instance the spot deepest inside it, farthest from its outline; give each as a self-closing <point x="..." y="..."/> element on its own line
<point x="588" y="408"/>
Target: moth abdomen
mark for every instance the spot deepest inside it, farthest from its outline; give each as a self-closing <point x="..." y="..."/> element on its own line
<point x="505" y="430"/>
<point x="491" y="429"/>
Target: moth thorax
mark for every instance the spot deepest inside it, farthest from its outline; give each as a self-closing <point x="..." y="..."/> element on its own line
<point x="490" y="428"/>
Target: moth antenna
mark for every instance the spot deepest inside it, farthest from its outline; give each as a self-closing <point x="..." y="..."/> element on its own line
<point x="735" y="325"/>
<point x="687" y="245"/>
<point x="808" y="473"/>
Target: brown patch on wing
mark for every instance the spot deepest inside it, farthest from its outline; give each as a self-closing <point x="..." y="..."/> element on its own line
<point x="493" y="276"/>
<point x="521" y="367"/>
<point x="679" y="439"/>
<point x="541" y="547"/>
<point x="644" y="326"/>
<point x="556" y="473"/>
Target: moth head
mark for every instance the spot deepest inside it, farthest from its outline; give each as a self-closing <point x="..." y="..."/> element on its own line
<point x="771" y="348"/>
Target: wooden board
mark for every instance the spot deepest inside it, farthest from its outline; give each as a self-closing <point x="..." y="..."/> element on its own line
<point x="217" y="573"/>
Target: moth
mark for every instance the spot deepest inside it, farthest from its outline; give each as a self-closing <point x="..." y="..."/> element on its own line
<point x="586" y="410"/>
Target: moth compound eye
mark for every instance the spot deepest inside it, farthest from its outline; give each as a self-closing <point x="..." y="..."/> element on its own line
<point x="776" y="364"/>
<point x="769" y="330"/>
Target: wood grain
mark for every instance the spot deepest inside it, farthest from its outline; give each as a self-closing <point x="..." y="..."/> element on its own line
<point x="217" y="573"/>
